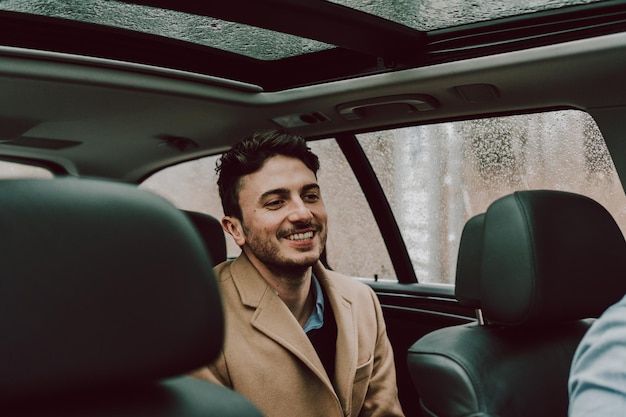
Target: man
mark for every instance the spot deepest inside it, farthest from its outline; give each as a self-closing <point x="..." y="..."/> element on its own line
<point x="300" y="340"/>
<point x="597" y="382"/>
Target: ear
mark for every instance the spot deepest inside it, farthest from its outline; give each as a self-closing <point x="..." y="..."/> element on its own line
<point x="233" y="227"/>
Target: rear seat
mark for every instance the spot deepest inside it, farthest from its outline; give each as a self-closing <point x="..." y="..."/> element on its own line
<point x="210" y="229"/>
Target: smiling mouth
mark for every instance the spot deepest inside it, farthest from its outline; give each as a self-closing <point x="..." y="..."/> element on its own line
<point x="301" y="236"/>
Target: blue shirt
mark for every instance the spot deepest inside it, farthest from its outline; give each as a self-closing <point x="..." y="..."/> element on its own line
<point x="316" y="319"/>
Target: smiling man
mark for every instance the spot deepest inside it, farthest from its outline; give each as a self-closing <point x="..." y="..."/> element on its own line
<point x="300" y="340"/>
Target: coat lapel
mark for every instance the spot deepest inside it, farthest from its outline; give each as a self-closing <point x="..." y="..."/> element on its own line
<point x="347" y="348"/>
<point x="273" y="318"/>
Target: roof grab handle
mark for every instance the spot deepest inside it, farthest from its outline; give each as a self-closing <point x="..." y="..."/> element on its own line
<point x="404" y="103"/>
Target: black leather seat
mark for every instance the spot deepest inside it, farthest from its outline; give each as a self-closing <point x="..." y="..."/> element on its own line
<point x="212" y="234"/>
<point x="548" y="261"/>
<point x="107" y="299"/>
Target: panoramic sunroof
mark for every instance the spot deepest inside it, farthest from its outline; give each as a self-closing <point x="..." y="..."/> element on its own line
<point x="427" y="15"/>
<point x="280" y="44"/>
<point x="258" y="43"/>
<point x="228" y="36"/>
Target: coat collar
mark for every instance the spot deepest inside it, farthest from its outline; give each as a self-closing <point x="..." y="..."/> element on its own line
<point x="347" y="348"/>
<point x="273" y="318"/>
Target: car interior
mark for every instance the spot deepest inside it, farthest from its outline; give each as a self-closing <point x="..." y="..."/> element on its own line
<point x="472" y="164"/>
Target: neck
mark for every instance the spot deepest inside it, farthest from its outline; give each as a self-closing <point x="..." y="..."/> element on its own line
<point x="299" y="299"/>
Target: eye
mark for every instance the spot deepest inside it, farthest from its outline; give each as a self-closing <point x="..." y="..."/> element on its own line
<point x="274" y="204"/>
<point x="311" y="197"/>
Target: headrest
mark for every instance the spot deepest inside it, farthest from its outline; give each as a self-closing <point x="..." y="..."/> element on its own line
<point x="467" y="283"/>
<point x="211" y="232"/>
<point x="100" y="284"/>
<point x="550" y="256"/>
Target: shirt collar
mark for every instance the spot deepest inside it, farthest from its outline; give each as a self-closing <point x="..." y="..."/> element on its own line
<point x="316" y="319"/>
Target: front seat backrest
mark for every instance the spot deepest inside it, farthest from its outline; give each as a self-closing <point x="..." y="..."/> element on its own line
<point x="548" y="261"/>
<point x="106" y="298"/>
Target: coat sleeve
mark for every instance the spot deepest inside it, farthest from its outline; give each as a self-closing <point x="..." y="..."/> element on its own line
<point x="598" y="373"/>
<point x="382" y="394"/>
<point x="215" y="373"/>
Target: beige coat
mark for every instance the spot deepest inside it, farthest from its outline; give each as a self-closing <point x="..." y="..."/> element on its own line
<point x="268" y="358"/>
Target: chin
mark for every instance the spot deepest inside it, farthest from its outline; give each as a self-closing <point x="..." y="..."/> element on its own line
<point x="302" y="261"/>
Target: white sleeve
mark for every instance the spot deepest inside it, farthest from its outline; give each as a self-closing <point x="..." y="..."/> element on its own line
<point x="597" y="382"/>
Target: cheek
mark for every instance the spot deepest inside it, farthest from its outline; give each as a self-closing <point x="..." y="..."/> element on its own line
<point x="320" y="214"/>
<point x="261" y="226"/>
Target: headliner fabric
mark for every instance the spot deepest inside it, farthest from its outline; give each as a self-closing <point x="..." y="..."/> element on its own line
<point x="550" y="256"/>
<point x="100" y="283"/>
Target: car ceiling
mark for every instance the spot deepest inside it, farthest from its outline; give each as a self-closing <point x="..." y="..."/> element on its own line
<point x="115" y="115"/>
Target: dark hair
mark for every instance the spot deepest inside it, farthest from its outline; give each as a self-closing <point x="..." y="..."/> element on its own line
<point x="249" y="155"/>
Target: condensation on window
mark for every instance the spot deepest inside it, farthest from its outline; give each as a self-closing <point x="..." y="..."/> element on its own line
<point x="17" y="170"/>
<point x="438" y="176"/>
<point x="355" y="246"/>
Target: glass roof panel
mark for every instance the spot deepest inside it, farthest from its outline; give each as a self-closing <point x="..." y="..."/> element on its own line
<point x="233" y="37"/>
<point x="427" y="15"/>
<point x="423" y="15"/>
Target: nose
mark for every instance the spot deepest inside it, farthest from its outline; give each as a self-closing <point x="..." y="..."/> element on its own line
<point x="299" y="213"/>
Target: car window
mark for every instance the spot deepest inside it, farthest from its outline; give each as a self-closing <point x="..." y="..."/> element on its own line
<point x="17" y="170"/>
<point x="438" y="176"/>
<point x="355" y="246"/>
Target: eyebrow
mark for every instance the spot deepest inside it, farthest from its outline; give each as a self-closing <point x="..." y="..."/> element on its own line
<point x="285" y="191"/>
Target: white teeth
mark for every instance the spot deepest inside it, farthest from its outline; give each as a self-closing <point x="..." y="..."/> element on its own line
<point x="301" y="236"/>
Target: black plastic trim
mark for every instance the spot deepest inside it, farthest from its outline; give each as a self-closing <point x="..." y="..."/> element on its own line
<point x="527" y="31"/>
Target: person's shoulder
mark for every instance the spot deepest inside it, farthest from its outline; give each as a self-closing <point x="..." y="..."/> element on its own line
<point x="346" y="284"/>
<point x="237" y="267"/>
<point x="222" y="270"/>
<point x="617" y="308"/>
<point x="613" y="320"/>
<point x="605" y="333"/>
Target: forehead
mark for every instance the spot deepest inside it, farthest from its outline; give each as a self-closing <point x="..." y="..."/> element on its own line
<point x="278" y="172"/>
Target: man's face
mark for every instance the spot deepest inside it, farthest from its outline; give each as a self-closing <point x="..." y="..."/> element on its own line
<point x="284" y="218"/>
